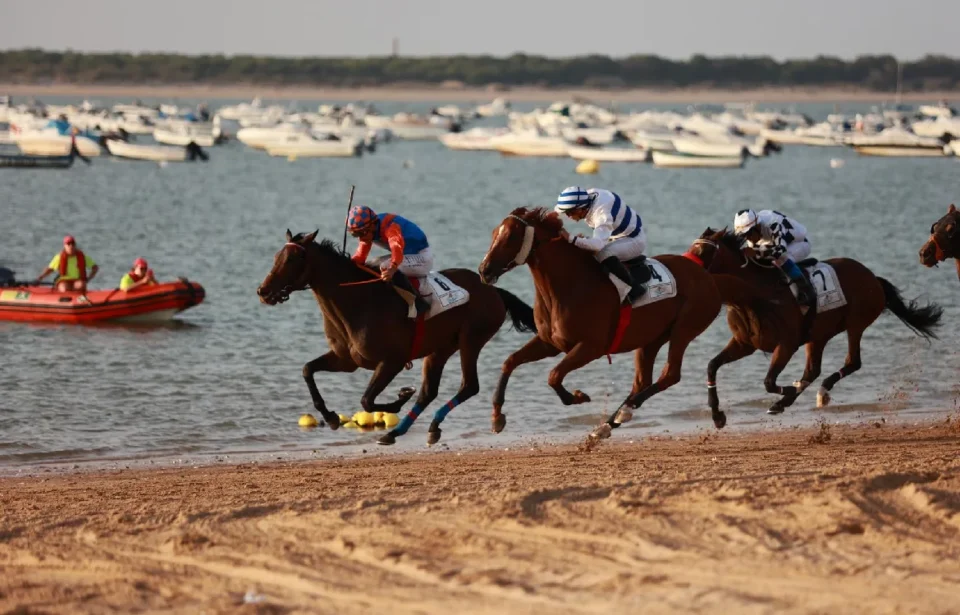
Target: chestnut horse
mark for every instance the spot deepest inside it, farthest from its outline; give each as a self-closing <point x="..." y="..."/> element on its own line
<point x="577" y="311"/>
<point x="367" y="326"/>
<point x="944" y="241"/>
<point x="763" y="315"/>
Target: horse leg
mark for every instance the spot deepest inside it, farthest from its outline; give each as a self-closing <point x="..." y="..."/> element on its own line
<point x="534" y="350"/>
<point x="432" y="371"/>
<point x="733" y="351"/>
<point x="810" y="372"/>
<point x="579" y="355"/>
<point x="850" y="365"/>
<point x="383" y="375"/>
<point x="643" y="361"/>
<point x="329" y="362"/>
<point x="469" y="384"/>
<point x="781" y="356"/>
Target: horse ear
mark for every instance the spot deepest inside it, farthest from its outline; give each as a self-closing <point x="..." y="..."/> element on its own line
<point x="289" y="236"/>
<point x="706" y="233"/>
<point x="951" y="209"/>
<point x="309" y="238"/>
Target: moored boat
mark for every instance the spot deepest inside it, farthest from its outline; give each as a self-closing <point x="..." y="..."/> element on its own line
<point x="668" y="160"/>
<point x="157" y="303"/>
<point x="155" y="153"/>
<point x="608" y="154"/>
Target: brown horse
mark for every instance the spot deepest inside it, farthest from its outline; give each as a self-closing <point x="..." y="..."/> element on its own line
<point x="577" y="312"/>
<point x="366" y="326"/>
<point x="763" y="315"/>
<point x="944" y="241"/>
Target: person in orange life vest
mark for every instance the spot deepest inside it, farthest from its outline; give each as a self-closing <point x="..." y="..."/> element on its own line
<point x="71" y="267"/>
<point x="137" y="277"/>
<point x="410" y="255"/>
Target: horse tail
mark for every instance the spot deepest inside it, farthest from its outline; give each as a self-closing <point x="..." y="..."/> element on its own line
<point x="520" y="313"/>
<point x="921" y="319"/>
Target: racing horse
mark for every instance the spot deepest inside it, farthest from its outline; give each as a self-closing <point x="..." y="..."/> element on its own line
<point x="367" y="327"/>
<point x="763" y="315"/>
<point x="577" y="312"/>
<point x="944" y="241"/>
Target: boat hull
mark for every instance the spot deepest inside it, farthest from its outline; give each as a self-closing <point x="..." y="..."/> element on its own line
<point x="56" y="145"/>
<point x="169" y="137"/>
<point x="667" y="160"/>
<point x="899" y="151"/>
<point x="154" y="153"/>
<point x="150" y="304"/>
<point x="604" y="154"/>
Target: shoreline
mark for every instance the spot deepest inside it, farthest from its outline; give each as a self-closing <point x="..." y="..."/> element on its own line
<point x="837" y="518"/>
<point x="472" y="94"/>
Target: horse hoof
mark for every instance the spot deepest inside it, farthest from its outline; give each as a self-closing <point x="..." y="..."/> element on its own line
<point x="499" y="422"/>
<point x="579" y="397"/>
<point x="406" y="393"/>
<point x="333" y="421"/>
<point x="776" y="408"/>
<point x="387" y="439"/>
<point x="602" y="432"/>
<point x="823" y="398"/>
<point x="623" y="416"/>
<point x="719" y="420"/>
<point x="433" y="436"/>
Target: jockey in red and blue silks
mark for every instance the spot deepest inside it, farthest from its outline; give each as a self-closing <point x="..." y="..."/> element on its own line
<point x="410" y="256"/>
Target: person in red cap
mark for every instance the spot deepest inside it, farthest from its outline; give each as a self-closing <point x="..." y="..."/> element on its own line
<point x="140" y="275"/>
<point x="71" y="266"/>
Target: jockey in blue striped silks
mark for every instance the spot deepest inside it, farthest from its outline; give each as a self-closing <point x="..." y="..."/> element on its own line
<point x="618" y="233"/>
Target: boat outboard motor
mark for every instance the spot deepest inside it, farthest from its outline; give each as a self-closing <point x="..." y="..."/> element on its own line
<point x="194" y="152"/>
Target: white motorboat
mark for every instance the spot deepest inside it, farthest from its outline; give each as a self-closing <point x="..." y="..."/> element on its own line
<point x="530" y="143"/>
<point x="51" y="143"/>
<point x="822" y="135"/>
<point x="955" y="147"/>
<point x="178" y="132"/>
<point x="668" y="160"/>
<point x="693" y="146"/>
<point x="155" y="153"/>
<point x="308" y="146"/>
<point x="499" y="106"/>
<point x="899" y="142"/>
<point x="259" y="137"/>
<point x="653" y="138"/>
<point x="479" y="138"/>
<point x="940" y="127"/>
<point x="608" y="154"/>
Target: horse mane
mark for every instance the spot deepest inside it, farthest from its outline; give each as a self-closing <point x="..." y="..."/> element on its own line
<point x="540" y="217"/>
<point x="728" y="239"/>
<point x="329" y="247"/>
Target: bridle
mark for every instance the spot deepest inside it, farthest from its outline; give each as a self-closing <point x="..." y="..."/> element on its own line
<point x="940" y="254"/>
<point x="528" y="246"/>
<point x="301" y="284"/>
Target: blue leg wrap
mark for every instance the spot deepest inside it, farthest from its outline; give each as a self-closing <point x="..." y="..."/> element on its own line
<point x="406" y="422"/>
<point x="442" y="413"/>
<point x="792" y="270"/>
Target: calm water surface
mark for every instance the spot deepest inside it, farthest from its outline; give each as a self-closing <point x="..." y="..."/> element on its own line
<point x="227" y="381"/>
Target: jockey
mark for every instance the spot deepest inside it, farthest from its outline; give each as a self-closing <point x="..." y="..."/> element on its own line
<point x="410" y="255"/>
<point x="618" y="233"/>
<point x="771" y="237"/>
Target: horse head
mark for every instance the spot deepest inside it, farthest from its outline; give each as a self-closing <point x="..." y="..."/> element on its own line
<point x="516" y="239"/>
<point x="944" y="240"/>
<point x="719" y="251"/>
<point x="290" y="270"/>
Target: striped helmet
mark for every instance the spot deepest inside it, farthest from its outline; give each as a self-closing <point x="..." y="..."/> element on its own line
<point x="746" y="219"/>
<point x="572" y="198"/>
<point x="359" y="218"/>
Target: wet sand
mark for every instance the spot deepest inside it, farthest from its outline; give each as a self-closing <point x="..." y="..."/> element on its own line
<point x="840" y="519"/>
<point x="468" y="94"/>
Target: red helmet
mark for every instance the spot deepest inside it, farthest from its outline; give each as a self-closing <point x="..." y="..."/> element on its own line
<point x="140" y="262"/>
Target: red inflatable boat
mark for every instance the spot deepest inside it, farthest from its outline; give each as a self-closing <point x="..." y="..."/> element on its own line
<point x="156" y="303"/>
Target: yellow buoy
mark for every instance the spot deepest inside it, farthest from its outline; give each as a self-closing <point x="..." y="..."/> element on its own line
<point x="344" y="419"/>
<point x="307" y="420"/>
<point x="350" y="425"/>
<point x="378" y="418"/>
<point x="390" y="420"/>
<point x="588" y="167"/>
<point x="364" y="419"/>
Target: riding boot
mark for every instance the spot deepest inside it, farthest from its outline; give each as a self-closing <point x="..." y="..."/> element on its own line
<point x="806" y="295"/>
<point x="613" y="265"/>
<point x="403" y="282"/>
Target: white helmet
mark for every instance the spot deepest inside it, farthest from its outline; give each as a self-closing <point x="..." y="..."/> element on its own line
<point x="572" y="198"/>
<point x="745" y="220"/>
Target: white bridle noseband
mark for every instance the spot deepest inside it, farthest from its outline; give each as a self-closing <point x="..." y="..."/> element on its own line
<point x="527" y="245"/>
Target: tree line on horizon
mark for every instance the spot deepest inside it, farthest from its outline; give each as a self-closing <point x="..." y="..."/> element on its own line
<point x="880" y="72"/>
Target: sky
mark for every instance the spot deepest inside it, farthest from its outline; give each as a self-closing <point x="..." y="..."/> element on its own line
<point x="671" y="28"/>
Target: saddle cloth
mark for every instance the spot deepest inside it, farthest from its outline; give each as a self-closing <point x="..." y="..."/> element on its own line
<point x="824" y="280"/>
<point x="439" y="292"/>
<point x="658" y="279"/>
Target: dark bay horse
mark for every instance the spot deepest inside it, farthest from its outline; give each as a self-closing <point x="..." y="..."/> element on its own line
<point x="944" y="241"/>
<point x="763" y="315"/>
<point x="367" y="326"/>
<point x="577" y="312"/>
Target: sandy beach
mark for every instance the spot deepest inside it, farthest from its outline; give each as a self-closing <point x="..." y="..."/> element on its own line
<point x="467" y="94"/>
<point x="839" y="519"/>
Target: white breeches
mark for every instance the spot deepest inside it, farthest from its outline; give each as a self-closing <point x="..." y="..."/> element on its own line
<point x="624" y="248"/>
<point x="417" y="265"/>
<point x="796" y="251"/>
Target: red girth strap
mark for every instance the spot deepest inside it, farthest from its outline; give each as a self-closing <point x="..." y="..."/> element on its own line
<point x="693" y="257"/>
<point x="81" y="264"/>
<point x="622" y="324"/>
